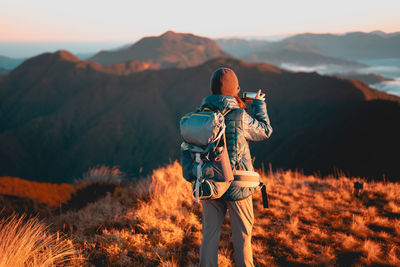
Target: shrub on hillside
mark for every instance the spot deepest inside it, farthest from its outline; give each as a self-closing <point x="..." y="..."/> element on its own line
<point x="103" y="174"/>
<point x="95" y="184"/>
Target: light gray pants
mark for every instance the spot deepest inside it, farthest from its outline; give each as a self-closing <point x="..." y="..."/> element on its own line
<point x="242" y="218"/>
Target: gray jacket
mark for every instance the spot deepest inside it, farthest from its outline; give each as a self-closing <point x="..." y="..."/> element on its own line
<point x="240" y="128"/>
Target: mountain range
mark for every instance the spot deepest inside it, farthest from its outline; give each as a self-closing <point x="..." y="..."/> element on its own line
<point x="353" y="45"/>
<point x="385" y="34"/>
<point x="317" y="49"/>
<point x="307" y="49"/>
<point x="60" y="116"/>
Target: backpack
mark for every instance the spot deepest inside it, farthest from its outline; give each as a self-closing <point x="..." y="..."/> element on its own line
<point x="205" y="160"/>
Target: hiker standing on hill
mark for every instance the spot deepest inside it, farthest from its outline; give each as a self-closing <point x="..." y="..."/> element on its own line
<point x="240" y="128"/>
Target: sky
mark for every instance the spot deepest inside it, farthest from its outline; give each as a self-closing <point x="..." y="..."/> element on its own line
<point x="121" y="21"/>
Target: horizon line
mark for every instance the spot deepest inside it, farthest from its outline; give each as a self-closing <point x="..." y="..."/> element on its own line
<point x="277" y="35"/>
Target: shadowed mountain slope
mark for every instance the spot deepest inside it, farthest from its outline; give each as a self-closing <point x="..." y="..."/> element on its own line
<point x="368" y="78"/>
<point x="317" y="49"/>
<point x="352" y="45"/>
<point x="170" y="49"/>
<point x="60" y="116"/>
<point x="298" y="54"/>
<point x="277" y="53"/>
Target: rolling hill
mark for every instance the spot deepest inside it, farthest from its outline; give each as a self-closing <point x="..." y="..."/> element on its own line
<point x="60" y="116"/>
<point x="170" y="49"/>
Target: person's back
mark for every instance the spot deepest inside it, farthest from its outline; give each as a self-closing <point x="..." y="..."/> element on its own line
<point x="240" y="128"/>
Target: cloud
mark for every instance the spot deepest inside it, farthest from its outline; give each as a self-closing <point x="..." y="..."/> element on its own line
<point x="390" y="87"/>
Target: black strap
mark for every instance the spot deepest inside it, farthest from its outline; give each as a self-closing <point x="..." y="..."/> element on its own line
<point x="264" y="196"/>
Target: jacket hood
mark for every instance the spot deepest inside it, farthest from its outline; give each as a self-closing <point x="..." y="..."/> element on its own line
<point x="220" y="102"/>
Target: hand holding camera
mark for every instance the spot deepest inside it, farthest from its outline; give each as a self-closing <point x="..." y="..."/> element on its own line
<point x="250" y="96"/>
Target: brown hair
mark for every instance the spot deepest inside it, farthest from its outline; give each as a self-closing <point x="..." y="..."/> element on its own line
<point x="240" y="102"/>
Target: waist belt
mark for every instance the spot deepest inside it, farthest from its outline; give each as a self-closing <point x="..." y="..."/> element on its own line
<point x="246" y="178"/>
<point x="250" y="179"/>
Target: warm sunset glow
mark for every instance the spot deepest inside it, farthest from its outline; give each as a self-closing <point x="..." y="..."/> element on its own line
<point x="129" y="20"/>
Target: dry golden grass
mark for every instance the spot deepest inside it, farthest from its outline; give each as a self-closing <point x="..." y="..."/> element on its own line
<point x="47" y="193"/>
<point x="311" y="221"/>
<point x="151" y="223"/>
<point x="327" y="225"/>
<point x="26" y="242"/>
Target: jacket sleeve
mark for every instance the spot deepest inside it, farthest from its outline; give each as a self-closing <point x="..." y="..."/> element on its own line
<point x="257" y="128"/>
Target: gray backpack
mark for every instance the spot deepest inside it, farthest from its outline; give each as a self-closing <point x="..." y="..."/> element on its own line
<point x="205" y="160"/>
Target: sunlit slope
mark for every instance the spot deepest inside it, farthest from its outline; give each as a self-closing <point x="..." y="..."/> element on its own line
<point x="47" y="193"/>
<point x="311" y="221"/>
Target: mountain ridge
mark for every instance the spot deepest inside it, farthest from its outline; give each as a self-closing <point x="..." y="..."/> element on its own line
<point x="352" y="45"/>
<point x="311" y="49"/>
<point x="278" y="53"/>
<point x="170" y="49"/>
<point x="59" y="118"/>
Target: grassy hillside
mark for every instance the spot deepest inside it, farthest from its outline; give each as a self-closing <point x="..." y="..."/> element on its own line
<point x="311" y="222"/>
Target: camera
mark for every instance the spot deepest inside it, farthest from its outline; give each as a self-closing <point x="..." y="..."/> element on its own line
<point x="249" y="96"/>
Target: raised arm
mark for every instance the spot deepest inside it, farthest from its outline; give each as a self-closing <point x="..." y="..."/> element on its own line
<point x="259" y="127"/>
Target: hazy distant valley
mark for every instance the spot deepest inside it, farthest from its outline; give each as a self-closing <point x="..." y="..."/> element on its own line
<point x="330" y="54"/>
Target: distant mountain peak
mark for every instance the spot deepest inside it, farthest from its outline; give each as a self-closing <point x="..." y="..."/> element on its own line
<point x="60" y="55"/>
<point x="66" y="55"/>
<point x="170" y="49"/>
<point x="170" y="34"/>
<point x="378" y="32"/>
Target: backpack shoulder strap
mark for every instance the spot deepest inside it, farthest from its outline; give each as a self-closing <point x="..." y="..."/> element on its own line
<point x="223" y="112"/>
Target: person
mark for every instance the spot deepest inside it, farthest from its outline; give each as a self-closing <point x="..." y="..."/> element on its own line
<point x="240" y="128"/>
